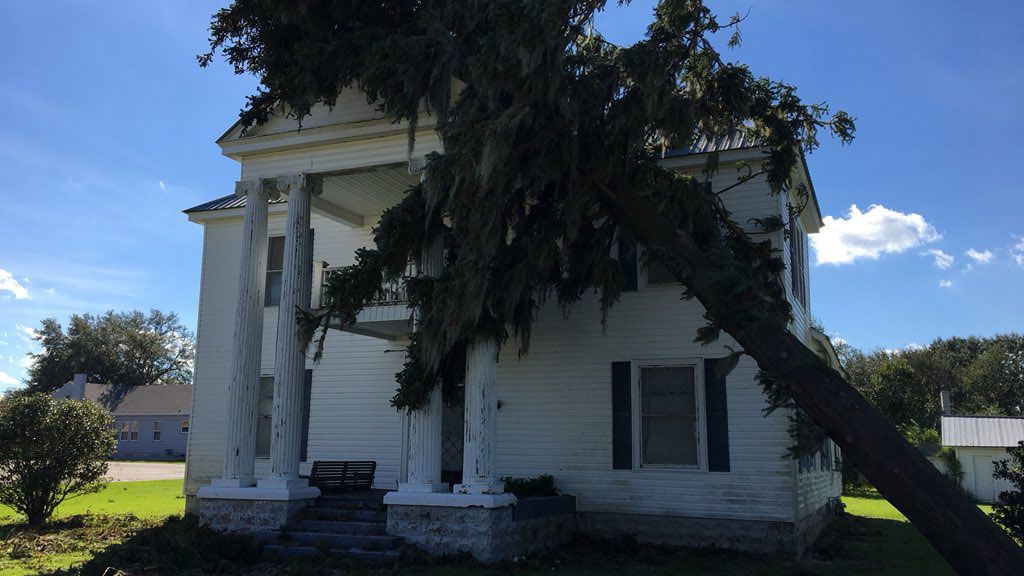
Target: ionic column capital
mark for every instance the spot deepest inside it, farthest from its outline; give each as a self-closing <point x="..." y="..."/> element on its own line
<point x="244" y="188"/>
<point x="293" y="182"/>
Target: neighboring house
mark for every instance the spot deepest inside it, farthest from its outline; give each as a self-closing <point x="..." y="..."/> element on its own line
<point x="629" y="418"/>
<point x="980" y="442"/>
<point x="152" y="422"/>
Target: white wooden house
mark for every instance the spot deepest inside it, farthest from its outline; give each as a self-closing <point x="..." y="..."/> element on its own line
<point x="708" y="468"/>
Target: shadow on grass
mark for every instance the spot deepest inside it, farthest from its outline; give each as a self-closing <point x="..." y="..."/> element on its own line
<point x="882" y="547"/>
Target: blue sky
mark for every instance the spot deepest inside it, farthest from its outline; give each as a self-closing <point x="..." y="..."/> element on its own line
<point x="107" y="128"/>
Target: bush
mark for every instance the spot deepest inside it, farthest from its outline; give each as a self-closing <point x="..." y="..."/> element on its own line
<point x="1009" y="509"/>
<point x="543" y="485"/>
<point x="954" y="469"/>
<point x="49" y="451"/>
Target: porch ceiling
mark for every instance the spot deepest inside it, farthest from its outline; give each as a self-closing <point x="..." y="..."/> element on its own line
<point x="367" y="193"/>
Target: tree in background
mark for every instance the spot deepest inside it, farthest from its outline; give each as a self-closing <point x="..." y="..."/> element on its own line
<point x="552" y="145"/>
<point x="123" y="348"/>
<point x="51" y="450"/>
<point x="1009" y="509"/>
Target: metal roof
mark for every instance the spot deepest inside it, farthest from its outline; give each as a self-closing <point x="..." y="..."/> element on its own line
<point x="735" y="140"/>
<point x="1002" y="431"/>
<point x="226" y="202"/>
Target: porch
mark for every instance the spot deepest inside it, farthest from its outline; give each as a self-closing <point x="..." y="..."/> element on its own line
<point x="241" y="500"/>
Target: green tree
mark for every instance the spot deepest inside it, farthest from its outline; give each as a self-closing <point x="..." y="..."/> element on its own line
<point x="553" y="140"/>
<point x="123" y="348"/>
<point x="899" y="395"/>
<point x="1009" y="509"/>
<point x="51" y="450"/>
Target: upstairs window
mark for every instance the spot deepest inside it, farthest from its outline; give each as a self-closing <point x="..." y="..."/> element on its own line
<point x="798" y="262"/>
<point x="275" y="266"/>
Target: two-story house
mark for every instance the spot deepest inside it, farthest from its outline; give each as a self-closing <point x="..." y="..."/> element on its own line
<point x="630" y="419"/>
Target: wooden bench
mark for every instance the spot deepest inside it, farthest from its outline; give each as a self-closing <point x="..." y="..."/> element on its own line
<point x="343" y="476"/>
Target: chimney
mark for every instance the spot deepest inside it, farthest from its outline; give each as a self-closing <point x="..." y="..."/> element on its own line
<point x="944" y="402"/>
<point x="78" y="386"/>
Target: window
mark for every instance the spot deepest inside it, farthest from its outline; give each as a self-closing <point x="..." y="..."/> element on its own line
<point x="669" y="419"/>
<point x="134" y="431"/>
<point x="184" y="426"/>
<point x="798" y="262"/>
<point x="263" y="416"/>
<point x="125" y="428"/>
<point x="659" y="275"/>
<point x="275" y="266"/>
<point x="156" y="431"/>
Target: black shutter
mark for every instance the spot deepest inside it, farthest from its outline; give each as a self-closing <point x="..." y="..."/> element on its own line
<point x="622" y="416"/>
<point x="307" y="389"/>
<point x="628" y="264"/>
<point x="718" y="418"/>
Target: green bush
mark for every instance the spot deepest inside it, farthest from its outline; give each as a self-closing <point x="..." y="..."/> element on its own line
<point x="1009" y="509"/>
<point x="49" y="451"/>
<point x="954" y="469"/>
<point x="543" y="485"/>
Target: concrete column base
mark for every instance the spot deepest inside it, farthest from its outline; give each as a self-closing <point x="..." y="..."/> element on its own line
<point x="251" y="509"/>
<point x="436" y="487"/>
<point x="480" y="488"/>
<point x="486" y="526"/>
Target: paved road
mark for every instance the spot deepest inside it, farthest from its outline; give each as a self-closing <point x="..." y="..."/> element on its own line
<point x="130" y="471"/>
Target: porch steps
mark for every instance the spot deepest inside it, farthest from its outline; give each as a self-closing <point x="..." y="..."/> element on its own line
<point x="350" y="524"/>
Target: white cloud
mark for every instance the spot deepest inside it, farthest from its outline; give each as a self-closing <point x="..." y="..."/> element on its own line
<point x="870" y="235"/>
<point x="9" y="283"/>
<point x="1017" y="252"/>
<point x="50" y="291"/>
<point x="946" y="283"/>
<point x="980" y="257"/>
<point x="27" y="333"/>
<point x="8" y="380"/>
<point x="942" y="260"/>
<point x="27" y="362"/>
<point x="162" y="186"/>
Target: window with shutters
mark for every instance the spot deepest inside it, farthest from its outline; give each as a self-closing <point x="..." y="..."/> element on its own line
<point x="798" y="262"/>
<point x="670" y="415"/>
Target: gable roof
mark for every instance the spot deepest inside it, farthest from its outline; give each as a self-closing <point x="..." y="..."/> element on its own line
<point x="155" y="400"/>
<point x="1000" y="431"/>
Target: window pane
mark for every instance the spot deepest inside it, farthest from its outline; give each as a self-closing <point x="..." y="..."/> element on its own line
<point x="273" y="290"/>
<point x="668" y="415"/>
<point x="275" y="253"/>
<point x="184" y="426"/>
<point x="658" y="273"/>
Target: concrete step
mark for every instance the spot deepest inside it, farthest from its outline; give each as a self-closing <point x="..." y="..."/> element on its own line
<point x="335" y="527"/>
<point x="348" y="504"/>
<point x="361" y="541"/>
<point x="337" y="514"/>
<point x="297" y="551"/>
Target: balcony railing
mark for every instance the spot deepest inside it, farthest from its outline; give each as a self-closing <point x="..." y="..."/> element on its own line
<point x="390" y="293"/>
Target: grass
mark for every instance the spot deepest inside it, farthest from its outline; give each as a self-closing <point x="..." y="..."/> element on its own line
<point x="134" y="527"/>
<point x="86" y="525"/>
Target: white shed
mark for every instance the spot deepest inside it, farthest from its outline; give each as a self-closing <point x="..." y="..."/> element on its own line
<point x="980" y="441"/>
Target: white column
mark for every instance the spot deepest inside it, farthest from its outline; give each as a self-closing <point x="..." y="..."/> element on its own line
<point x="243" y="391"/>
<point x="290" y="361"/>
<point x="481" y="426"/>
<point x="425" y="429"/>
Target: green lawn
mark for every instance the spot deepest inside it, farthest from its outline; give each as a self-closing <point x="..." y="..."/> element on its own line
<point x="127" y="526"/>
<point x="74" y="538"/>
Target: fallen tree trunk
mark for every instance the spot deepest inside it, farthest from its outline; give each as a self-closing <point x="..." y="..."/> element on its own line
<point x="958" y="529"/>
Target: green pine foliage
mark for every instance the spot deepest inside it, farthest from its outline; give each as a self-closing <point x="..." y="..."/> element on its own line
<point x="1009" y="509"/>
<point x="541" y="120"/>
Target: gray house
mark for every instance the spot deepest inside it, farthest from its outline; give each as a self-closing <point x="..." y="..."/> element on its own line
<point x="152" y="422"/>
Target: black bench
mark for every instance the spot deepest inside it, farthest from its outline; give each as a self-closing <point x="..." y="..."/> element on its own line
<point x="342" y="476"/>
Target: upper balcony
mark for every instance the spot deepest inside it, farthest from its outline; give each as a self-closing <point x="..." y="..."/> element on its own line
<point x="388" y="316"/>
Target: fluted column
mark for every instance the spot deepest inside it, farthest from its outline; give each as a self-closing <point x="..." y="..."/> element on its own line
<point x="425" y="424"/>
<point x="290" y="361"/>
<point x="243" y="391"/>
<point x="481" y="425"/>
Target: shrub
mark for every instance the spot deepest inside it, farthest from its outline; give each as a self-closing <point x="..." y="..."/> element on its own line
<point x="954" y="469"/>
<point x="49" y="451"/>
<point x="1009" y="509"/>
<point x="543" y="485"/>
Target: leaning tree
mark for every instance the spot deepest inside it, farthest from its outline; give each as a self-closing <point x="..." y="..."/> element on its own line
<point x="552" y="138"/>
